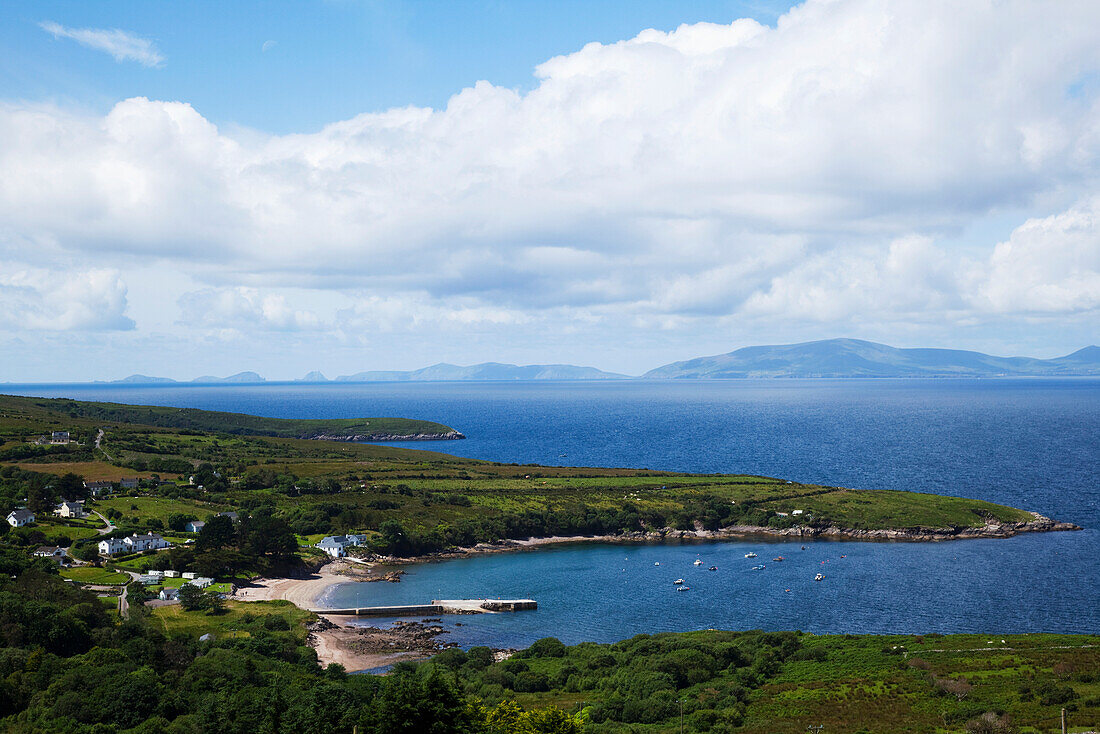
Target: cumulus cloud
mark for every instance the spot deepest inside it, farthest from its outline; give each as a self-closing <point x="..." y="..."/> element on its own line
<point x="244" y="308"/>
<point x="122" y="46"/>
<point x="36" y="299"/>
<point x="807" y="171"/>
<point x="1048" y="265"/>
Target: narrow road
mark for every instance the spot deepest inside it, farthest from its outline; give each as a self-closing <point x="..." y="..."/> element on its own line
<point x="98" y="441"/>
<point x="110" y="525"/>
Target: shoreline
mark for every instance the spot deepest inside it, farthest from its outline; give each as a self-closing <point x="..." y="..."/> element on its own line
<point x="1040" y="524"/>
<point x="333" y="640"/>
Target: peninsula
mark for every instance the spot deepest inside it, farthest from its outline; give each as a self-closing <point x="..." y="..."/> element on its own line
<point x="149" y="506"/>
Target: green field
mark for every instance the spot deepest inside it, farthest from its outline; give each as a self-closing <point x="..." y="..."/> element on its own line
<point x="236" y="621"/>
<point x="92" y="575"/>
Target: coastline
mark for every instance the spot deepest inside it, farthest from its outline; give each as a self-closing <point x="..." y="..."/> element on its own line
<point x="1040" y="524"/>
<point x="335" y="642"/>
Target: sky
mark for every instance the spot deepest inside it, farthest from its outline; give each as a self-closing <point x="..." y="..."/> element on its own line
<point x="205" y="188"/>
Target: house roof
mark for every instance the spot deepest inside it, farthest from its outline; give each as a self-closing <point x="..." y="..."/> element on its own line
<point x="47" y="549"/>
<point x="333" y="541"/>
<point x="21" y="514"/>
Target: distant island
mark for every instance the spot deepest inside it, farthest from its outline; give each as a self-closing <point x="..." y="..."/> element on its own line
<point x="857" y="358"/>
<point x="831" y="358"/>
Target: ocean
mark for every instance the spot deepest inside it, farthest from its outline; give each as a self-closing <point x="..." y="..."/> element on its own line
<point x="1030" y="443"/>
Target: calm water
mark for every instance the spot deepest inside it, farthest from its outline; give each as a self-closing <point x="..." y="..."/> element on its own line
<point x="1032" y="443"/>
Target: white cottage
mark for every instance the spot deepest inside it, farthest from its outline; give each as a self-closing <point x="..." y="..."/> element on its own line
<point x="19" y="518"/>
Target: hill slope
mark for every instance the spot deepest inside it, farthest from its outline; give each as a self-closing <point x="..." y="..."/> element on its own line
<point x="857" y="358"/>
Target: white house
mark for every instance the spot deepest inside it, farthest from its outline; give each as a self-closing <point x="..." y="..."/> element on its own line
<point x="111" y="546"/>
<point x="796" y="512"/>
<point x="171" y="574"/>
<point x="19" y="518"/>
<point x="202" y="582"/>
<point x="48" y="551"/>
<point x="169" y="593"/>
<point x="150" y="541"/>
<point x="357" y="539"/>
<point x="73" y="510"/>
<point x="158" y="574"/>
<point x="334" y="545"/>
<point x="147" y="580"/>
<point x="194" y="526"/>
<point x="189" y="574"/>
<point x="59" y="437"/>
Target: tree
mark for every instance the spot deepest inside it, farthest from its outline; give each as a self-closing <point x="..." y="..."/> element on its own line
<point x="71" y="486"/>
<point x="178" y="521"/>
<point x="193" y="599"/>
<point x="215" y="604"/>
<point x="217" y="534"/>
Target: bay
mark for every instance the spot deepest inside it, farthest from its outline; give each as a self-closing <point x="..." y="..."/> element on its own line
<point x="1031" y="443"/>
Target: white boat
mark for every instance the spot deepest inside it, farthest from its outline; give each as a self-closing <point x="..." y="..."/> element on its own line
<point x="750" y="555"/>
<point x="683" y="588"/>
<point x="697" y="562"/>
<point x="761" y="567"/>
<point x="656" y="563"/>
<point x="679" y="582"/>
<point x="819" y="577"/>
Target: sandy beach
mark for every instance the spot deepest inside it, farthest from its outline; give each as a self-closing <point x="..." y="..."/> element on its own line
<point x="333" y="644"/>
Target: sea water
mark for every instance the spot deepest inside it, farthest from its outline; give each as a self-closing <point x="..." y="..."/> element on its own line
<point x="1030" y="443"/>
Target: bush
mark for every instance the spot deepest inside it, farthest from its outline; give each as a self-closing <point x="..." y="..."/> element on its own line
<point x="547" y="647"/>
<point x="531" y="682"/>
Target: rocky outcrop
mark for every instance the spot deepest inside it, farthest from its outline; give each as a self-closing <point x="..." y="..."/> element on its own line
<point x="367" y="437"/>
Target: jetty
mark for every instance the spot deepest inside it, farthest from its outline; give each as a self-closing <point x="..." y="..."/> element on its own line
<point x="438" y="606"/>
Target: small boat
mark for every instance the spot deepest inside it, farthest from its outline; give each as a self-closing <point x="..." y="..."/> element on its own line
<point x="777" y="559"/>
<point x="803" y="547"/>
<point x="679" y="582"/>
<point x="819" y="577"/>
<point x="750" y="554"/>
<point x="713" y="568"/>
<point x="697" y="562"/>
<point x="761" y="567"/>
<point x="683" y="588"/>
<point x="656" y="563"/>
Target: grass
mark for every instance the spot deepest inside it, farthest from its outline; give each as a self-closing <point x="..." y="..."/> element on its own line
<point x="136" y="509"/>
<point x="234" y="622"/>
<point x="93" y="575"/>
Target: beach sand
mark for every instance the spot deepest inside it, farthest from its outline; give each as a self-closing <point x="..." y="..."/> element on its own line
<point x="333" y="645"/>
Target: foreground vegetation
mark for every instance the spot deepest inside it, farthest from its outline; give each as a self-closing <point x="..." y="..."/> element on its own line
<point x="68" y="665"/>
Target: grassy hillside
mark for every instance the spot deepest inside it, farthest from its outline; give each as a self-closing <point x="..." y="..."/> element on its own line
<point x="418" y="501"/>
<point x="775" y="682"/>
<point x="59" y="410"/>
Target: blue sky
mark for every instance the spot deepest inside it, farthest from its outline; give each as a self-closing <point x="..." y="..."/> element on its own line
<point x="204" y="188"/>
<point x="325" y="61"/>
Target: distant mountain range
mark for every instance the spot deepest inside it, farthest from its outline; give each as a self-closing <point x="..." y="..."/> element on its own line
<point x="856" y="358"/>
<point x="828" y="358"/>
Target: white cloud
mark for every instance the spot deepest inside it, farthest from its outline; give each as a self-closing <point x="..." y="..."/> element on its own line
<point x="1048" y="265"/>
<point x="46" y="300"/>
<point x="122" y="46"/>
<point x="244" y="308"/>
<point x="810" y="172"/>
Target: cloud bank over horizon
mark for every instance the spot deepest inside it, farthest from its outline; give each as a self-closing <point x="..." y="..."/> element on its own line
<point x="698" y="189"/>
